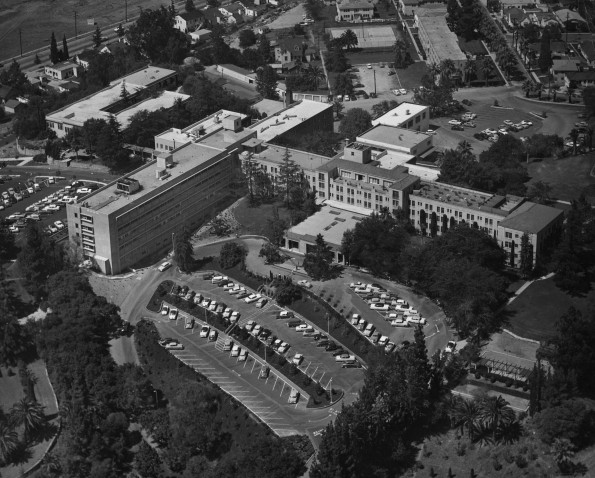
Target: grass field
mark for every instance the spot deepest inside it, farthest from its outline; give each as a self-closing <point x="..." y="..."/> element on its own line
<point x="568" y="176"/>
<point x="37" y="19"/>
<point x="534" y="313"/>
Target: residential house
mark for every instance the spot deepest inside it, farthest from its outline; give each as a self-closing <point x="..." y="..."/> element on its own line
<point x="293" y="49"/>
<point x="187" y="22"/>
<point x="579" y="79"/>
<point x="6" y="93"/>
<point x="233" y="13"/>
<point x="587" y="49"/>
<point x="560" y="68"/>
<point x="84" y="58"/>
<point x="354" y="10"/>
<point x="253" y="10"/>
<point x="13" y="106"/>
<point x="63" y="70"/>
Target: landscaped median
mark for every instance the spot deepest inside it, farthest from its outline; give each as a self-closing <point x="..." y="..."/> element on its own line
<point x="318" y="397"/>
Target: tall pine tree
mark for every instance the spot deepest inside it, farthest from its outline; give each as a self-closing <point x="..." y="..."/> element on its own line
<point x="65" y="54"/>
<point x="54" y="53"/>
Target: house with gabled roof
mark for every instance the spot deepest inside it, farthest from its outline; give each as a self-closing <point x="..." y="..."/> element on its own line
<point x="187" y="22"/>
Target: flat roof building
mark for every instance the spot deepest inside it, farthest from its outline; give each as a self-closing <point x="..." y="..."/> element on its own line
<point x="108" y="101"/>
<point x="438" y="42"/>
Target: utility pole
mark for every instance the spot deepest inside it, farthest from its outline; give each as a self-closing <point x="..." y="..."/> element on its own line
<point x="374" y="80"/>
<point x="75" y="32"/>
<point x="21" y="40"/>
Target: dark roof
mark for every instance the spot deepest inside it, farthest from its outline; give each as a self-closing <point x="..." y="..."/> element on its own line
<point x="588" y="49"/>
<point x="12" y="103"/>
<point x="193" y="15"/>
<point x="531" y="218"/>
<point x="580" y="75"/>
<point x="6" y="91"/>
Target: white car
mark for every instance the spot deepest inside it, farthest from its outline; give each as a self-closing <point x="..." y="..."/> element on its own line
<point x="454" y="122"/>
<point x="298" y="359"/>
<point x="172" y="346"/>
<point x="345" y="358"/>
<point x="416" y="319"/>
<point x="305" y="283"/>
<point x="399" y="323"/>
<point x="252" y="298"/>
<point x="173" y="314"/>
<point x="204" y="331"/>
<point x="450" y="347"/>
<point x="164" y="310"/>
<point x="379" y="306"/>
<point x="235" y="351"/>
<point x="59" y="225"/>
<point x="284" y="347"/>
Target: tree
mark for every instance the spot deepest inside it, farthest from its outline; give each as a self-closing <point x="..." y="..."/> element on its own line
<point x="189" y="6"/>
<point x="266" y="82"/>
<point x="289" y="176"/>
<point x="29" y="414"/>
<point x="97" y="38"/>
<point x="183" y="251"/>
<point x="65" y="54"/>
<point x="317" y="262"/>
<point x="9" y="441"/>
<point x="231" y="254"/>
<point x="247" y="38"/>
<point x="146" y="460"/>
<point x="54" y="53"/>
<point x="355" y="122"/>
<point x="349" y="38"/>
<point x="526" y="256"/>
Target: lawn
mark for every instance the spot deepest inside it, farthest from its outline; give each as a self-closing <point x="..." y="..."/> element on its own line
<point x="534" y="313"/>
<point x="568" y="177"/>
<point x="253" y="220"/>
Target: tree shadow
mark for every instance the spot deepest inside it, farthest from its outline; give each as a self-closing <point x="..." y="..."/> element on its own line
<point x="21" y="454"/>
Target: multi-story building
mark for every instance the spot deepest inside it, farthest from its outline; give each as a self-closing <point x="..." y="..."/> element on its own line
<point x="354" y="11"/>
<point x="438" y="42"/>
<point x="135" y="218"/>
<point x="109" y="102"/>
<point x="435" y="207"/>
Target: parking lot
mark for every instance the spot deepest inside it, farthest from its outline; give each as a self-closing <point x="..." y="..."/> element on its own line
<point x="31" y="199"/>
<point x="267" y="399"/>
<point x="320" y="365"/>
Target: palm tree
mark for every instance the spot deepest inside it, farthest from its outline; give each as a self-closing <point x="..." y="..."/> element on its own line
<point x="9" y="440"/>
<point x="315" y="73"/>
<point x="486" y="68"/>
<point x="494" y="412"/>
<point x="468" y="70"/>
<point x="573" y="135"/>
<point x="349" y="38"/>
<point x="464" y="148"/>
<point x="29" y="414"/>
<point x="465" y="415"/>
